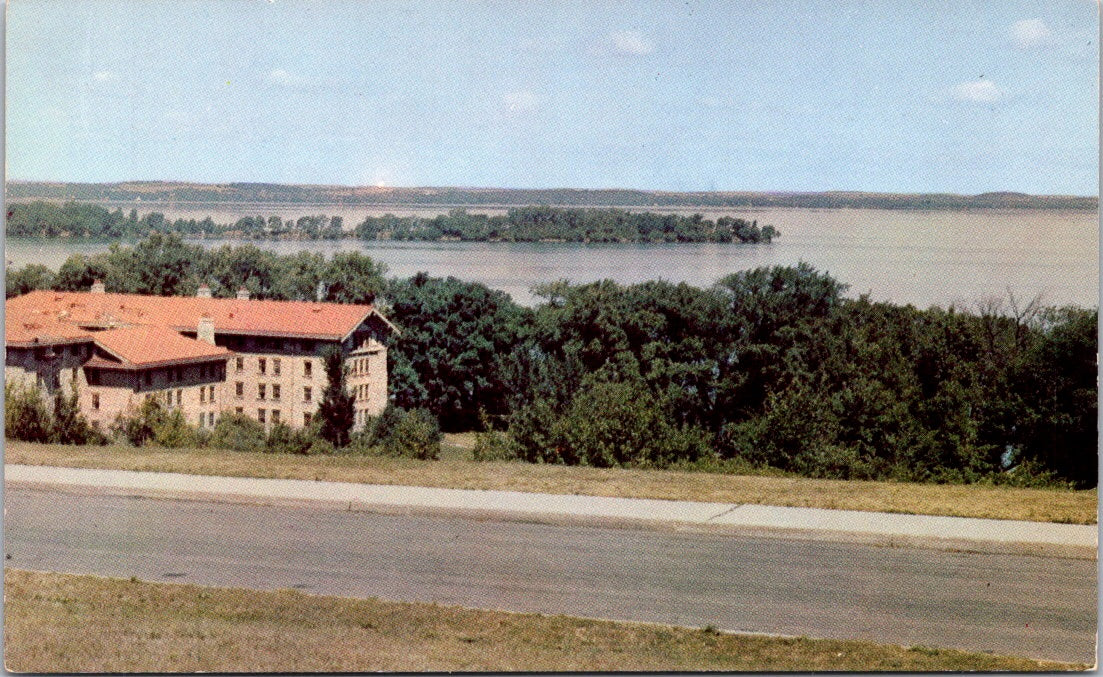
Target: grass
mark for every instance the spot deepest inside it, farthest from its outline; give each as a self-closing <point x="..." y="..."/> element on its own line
<point x="68" y="623"/>
<point x="455" y="470"/>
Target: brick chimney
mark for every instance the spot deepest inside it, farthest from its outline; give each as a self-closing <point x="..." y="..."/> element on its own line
<point x="205" y="331"/>
<point x="98" y="288"/>
<point x="242" y="294"/>
<point x="204" y="292"/>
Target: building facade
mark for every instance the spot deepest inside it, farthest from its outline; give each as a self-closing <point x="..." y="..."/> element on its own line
<point x="201" y="355"/>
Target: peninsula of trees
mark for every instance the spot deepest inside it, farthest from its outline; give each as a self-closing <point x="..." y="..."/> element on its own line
<point x="525" y="224"/>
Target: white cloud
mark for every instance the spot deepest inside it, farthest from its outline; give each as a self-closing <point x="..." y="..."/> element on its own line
<point x="281" y="77"/>
<point x="977" y="91"/>
<point x="519" y="103"/>
<point x="623" y="43"/>
<point x="1031" y="33"/>
<point x="631" y="43"/>
<point x="104" y="76"/>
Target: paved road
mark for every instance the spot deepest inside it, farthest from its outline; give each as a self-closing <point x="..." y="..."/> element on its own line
<point x="1007" y="604"/>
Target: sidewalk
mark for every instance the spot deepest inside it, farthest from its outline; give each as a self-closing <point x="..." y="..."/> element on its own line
<point x="886" y="529"/>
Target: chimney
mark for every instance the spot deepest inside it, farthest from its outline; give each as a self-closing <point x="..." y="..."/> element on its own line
<point x="205" y="332"/>
<point x="204" y="292"/>
<point x="98" y="288"/>
<point x="243" y="294"/>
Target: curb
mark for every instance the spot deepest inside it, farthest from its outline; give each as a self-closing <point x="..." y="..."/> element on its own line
<point x="955" y="534"/>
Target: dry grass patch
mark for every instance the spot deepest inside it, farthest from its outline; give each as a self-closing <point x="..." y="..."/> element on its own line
<point x="68" y="623"/>
<point x="453" y="471"/>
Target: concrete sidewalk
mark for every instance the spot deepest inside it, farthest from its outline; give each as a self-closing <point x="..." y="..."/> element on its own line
<point x="951" y="533"/>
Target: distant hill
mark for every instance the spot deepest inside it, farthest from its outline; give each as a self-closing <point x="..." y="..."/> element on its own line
<point x="270" y="193"/>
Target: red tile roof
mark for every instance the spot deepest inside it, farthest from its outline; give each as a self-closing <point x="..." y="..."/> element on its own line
<point x="149" y="346"/>
<point x="37" y="327"/>
<point x="303" y="319"/>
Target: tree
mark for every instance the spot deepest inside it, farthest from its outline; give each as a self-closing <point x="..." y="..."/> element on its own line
<point x="69" y="425"/>
<point x="28" y="278"/>
<point x="454" y="334"/>
<point x="336" y="408"/>
<point x="25" y="414"/>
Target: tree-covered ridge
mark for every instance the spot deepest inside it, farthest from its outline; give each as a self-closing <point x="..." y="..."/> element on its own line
<point x="527" y="224"/>
<point x="244" y="193"/>
<point x="772" y="367"/>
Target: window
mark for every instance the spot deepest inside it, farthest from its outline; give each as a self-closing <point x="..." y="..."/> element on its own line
<point x="210" y="419"/>
<point x="262" y="391"/>
<point x="307" y="393"/>
<point x="275" y="391"/>
<point x="239" y="389"/>
<point x="260" y="415"/>
<point x="276" y="367"/>
<point x="240" y="364"/>
<point x="202" y="397"/>
<point x="210" y="396"/>
<point x="275" y="416"/>
<point x="95" y="400"/>
<point x="262" y="365"/>
<point x="179" y="398"/>
<point x="308" y="367"/>
<point x="306" y="418"/>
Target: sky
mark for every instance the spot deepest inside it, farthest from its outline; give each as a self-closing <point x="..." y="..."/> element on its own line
<point x="767" y="95"/>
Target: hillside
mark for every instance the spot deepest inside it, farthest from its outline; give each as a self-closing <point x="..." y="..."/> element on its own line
<point x="239" y="193"/>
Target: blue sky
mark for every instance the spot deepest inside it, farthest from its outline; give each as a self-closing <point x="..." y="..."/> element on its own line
<point x="807" y="95"/>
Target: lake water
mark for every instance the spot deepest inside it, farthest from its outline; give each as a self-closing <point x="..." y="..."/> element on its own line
<point x="922" y="258"/>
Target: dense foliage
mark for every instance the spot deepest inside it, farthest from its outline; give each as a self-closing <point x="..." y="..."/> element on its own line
<point x="528" y="224"/>
<point x="534" y="224"/>
<point x="769" y="367"/>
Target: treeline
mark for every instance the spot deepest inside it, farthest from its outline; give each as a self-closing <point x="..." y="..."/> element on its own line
<point x="769" y="368"/>
<point x="528" y="224"/>
<point x="244" y="193"/>
<point x="77" y="219"/>
<point x="535" y="224"/>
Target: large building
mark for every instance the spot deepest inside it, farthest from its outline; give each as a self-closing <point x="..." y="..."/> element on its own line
<point x="200" y="354"/>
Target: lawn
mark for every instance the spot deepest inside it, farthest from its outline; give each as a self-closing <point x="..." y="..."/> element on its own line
<point x="456" y="470"/>
<point x="68" y="623"/>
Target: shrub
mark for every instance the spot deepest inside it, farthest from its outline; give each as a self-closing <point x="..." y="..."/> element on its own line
<point x="283" y="440"/>
<point x="174" y="432"/>
<point x="493" y="445"/>
<point x="69" y="426"/>
<point x="611" y="423"/>
<point x="25" y="414"/>
<point x="141" y="425"/>
<point x="416" y="435"/>
<point x="321" y="447"/>
<point x="238" y="432"/>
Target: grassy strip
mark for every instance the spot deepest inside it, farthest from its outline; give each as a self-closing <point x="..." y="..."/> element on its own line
<point x="1040" y="505"/>
<point x="67" y="623"/>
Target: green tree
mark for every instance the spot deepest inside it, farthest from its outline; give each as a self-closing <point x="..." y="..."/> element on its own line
<point x="29" y="278"/>
<point x="448" y="357"/>
<point x="25" y="414"/>
<point x="69" y="425"/>
<point x="336" y="408"/>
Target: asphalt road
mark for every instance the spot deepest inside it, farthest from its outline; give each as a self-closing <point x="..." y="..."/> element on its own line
<point x="1006" y="604"/>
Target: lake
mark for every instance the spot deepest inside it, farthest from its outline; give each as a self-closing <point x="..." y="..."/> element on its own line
<point x="922" y="258"/>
